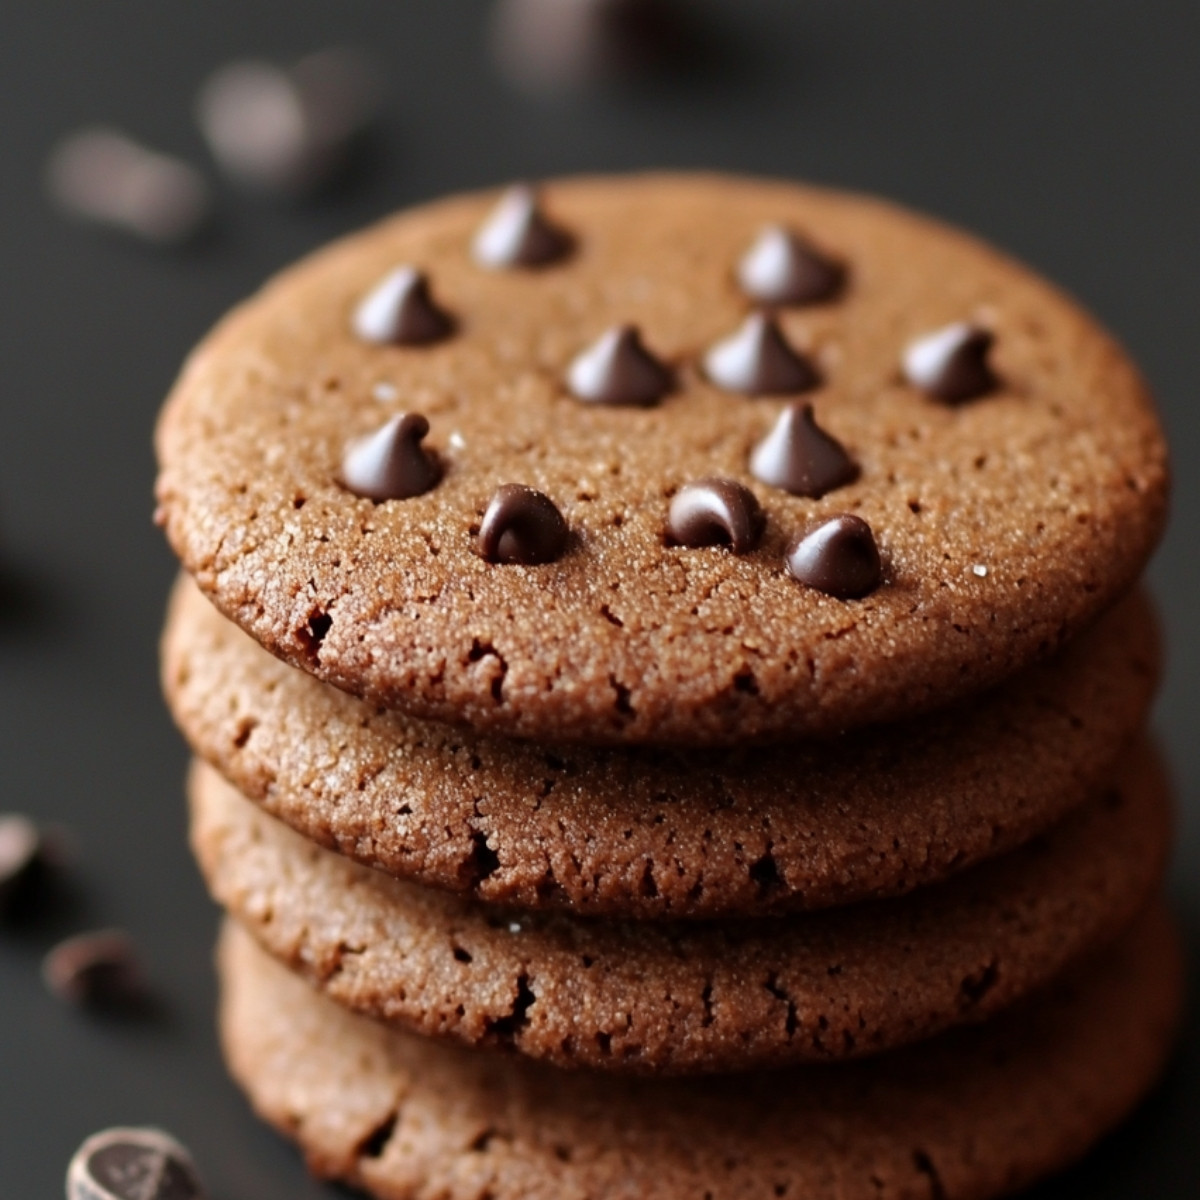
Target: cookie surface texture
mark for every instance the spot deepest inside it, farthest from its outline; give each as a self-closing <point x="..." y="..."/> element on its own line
<point x="1004" y="522"/>
<point x="655" y="997"/>
<point x="661" y="834"/>
<point x="976" y="1114"/>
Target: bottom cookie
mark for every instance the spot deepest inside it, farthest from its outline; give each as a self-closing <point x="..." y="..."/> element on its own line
<point x="974" y="1114"/>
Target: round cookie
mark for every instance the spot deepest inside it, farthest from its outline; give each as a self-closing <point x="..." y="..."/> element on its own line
<point x="656" y="834"/>
<point x="699" y="996"/>
<point x="973" y="1115"/>
<point x="1005" y="521"/>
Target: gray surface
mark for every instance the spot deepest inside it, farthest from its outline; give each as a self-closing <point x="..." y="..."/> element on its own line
<point x="1066" y="132"/>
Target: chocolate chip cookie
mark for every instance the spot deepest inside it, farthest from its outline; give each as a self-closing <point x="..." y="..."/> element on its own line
<point x="439" y="463"/>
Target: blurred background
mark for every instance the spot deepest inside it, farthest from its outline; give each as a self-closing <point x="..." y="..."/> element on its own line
<point x="1067" y="132"/>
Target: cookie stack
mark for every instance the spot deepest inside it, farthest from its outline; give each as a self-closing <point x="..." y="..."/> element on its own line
<point x="667" y="683"/>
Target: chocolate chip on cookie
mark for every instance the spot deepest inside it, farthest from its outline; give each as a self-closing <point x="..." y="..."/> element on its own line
<point x="401" y="311"/>
<point x="952" y="363"/>
<point x="757" y="360"/>
<point x="800" y="457"/>
<point x="391" y="464"/>
<point x="522" y="526"/>
<point x="716" y="512"/>
<point x="839" y="558"/>
<point x="618" y="369"/>
<point x="782" y="268"/>
<point x="517" y="233"/>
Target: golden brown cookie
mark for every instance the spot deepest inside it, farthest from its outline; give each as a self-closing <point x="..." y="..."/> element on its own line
<point x="974" y="1114"/>
<point x="651" y="833"/>
<point x="699" y="996"/>
<point x="1008" y="468"/>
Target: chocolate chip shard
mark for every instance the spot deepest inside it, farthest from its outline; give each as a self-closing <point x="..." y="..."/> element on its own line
<point x="391" y="464"/>
<point x="102" y="176"/>
<point x="758" y="361"/>
<point x="952" y="363"/>
<point x="782" y="268"/>
<point x="839" y="558"/>
<point x="99" y="971"/>
<point x="800" y="457"/>
<point x="21" y="861"/>
<point x="132" y="1164"/>
<point x="518" y="233"/>
<point x="618" y="369"/>
<point x="522" y="526"/>
<point x="716" y="512"/>
<point x="401" y="311"/>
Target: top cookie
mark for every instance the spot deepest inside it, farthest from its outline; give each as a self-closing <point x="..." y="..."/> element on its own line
<point x="1008" y="475"/>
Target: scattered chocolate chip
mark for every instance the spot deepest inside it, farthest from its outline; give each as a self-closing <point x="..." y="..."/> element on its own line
<point x="103" y="176"/>
<point x="132" y="1164"/>
<point x="800" y="457"/>
<point x="518" y="233"/>
<point x="21" y="861"/>
<point x="757" y="360"/>
<point x="618" y="369"/>
<point x="287" y="132"/>
<point x="401" y="311"/>
<point x="522" y="526"/>
<point x="716" y="512"/>
<point x="839" y="558"/>
<point x="390" y="464"/>
<point x="559" y="45"/>
<point x="342" y="89"/>
<point x="952" y="364"/>
<point x="782" y="268"/>
<point x="99" y="971"/>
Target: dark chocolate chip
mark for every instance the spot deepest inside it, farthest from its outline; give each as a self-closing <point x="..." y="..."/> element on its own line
<point x="781" y="268"/>
<point x="757" y="360"/>
<point x="522" y="526"/>
<point x="132" y="1164"/>
<point x="800" y="457"/>
<point x="390" y="464"/>
<point x="839" y="558"/>
<point x="99" y="971"/>
<point x="716" y="512"/>
<point x="618" y="369"/>
<point x="103" y="176"/>
<point x="952" y="364"/>
<point x="21" y="861"/>
<point x="287" y="132"/>
<point x="518" y="233"/>
<point x="401" y="311"/>
<point x="557" y="45"/>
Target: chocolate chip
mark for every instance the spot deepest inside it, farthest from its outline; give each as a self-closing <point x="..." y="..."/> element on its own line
<point x="390" y="464"/>
<point x="618" y="369"/>
<point x="800" y="457"/>
<point x="952" y="364"/>
<point x="287" y="132"/>
<point x="557" y="45"/>
<point x="518" y="234"/>
<point x="781" y="268"/>
<point x="757" y="360"/>
<point x="522" y="526"/>
<point x="132" y="1164"/>
<point x="103" y="176"/>
<point x="716" y="512"/>
<point x="21" y="861"/>
<point x="839" y="558"/>
<point x="98" y="971"/>
<point x="401" y="311"/>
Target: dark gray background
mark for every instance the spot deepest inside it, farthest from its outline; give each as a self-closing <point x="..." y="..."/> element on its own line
<point x="1066" y="131"/>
